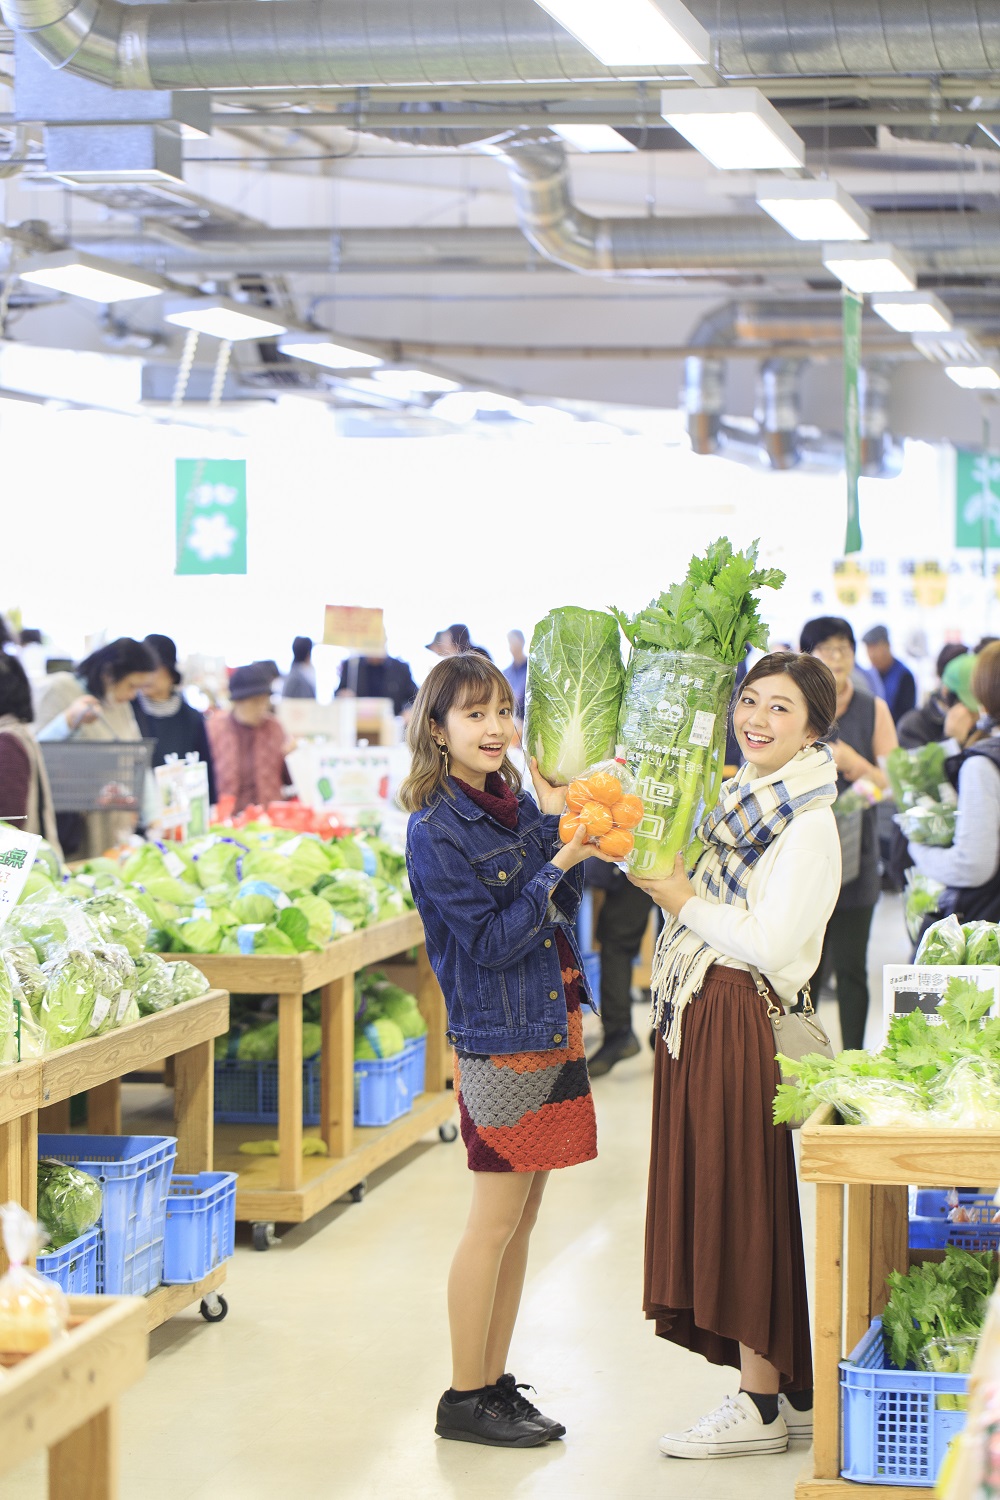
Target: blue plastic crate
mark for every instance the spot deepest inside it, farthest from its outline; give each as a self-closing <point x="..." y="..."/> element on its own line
<point x="76" y="1267"/>
<point x="415" y="1071"/>
<point x="381" y="1094"/>
<point x="134" y="1173"/>
<point x="893" y="1430"/>
<point x="201" y="1225"/>
<point x="931" y="1229"/>
<point x="246" y="1093"/>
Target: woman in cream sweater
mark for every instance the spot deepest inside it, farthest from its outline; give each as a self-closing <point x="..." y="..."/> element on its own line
<point x="725" y="1272"/>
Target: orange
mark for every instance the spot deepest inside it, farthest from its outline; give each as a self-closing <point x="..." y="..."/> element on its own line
<point x="578" y="794"/>
<point x="605" y="788"/>
<point x="627" y="813"/>
<point x="618" y="843"/>
<point x="568" y="824"/>
<point x="597" y="818"/>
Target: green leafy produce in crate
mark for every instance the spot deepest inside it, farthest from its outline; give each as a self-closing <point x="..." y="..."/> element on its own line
<point x="686" y="646"/>
<point x="69" y="1201"/>
<point x="935" y="1315"/>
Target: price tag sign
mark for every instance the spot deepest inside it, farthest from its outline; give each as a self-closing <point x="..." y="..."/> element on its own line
<point x="183" y="791"/>
<point x="357" y="629"/>
<point x="17" y="855"/>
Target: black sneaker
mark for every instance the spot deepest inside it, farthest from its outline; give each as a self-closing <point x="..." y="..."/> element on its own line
<point x="614" y="1049"/>
<point x="510" y="1387"/>
<point x="489" y="1417"/>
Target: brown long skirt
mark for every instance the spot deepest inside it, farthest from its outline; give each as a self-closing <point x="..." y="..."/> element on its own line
<point x="724" y="1258"/>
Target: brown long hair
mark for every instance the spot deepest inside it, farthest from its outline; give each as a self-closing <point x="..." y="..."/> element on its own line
<point x="456" y="682"/>
<point x="813" y="679"/>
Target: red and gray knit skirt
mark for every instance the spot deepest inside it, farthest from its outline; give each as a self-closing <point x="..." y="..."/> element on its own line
<point x="530" y="1111"/>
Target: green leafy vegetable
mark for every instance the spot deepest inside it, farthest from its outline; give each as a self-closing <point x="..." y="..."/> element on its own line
<point x="921" y="898"/>
<point x="935" y="1315"/>
<point x="942" y="943"/>
<point x="931" y="823"/>
<point x="574" y="691"/>
<point x="69" y="1201"/>
<point x="119" y="920"/>
<point x="914" y="774"/>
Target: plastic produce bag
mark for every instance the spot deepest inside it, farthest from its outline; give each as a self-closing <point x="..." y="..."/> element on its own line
<point x="574" y="691"/>
<point x="604" y="801"/>
<point x="942" y="943"/>
<point x="119" y="920"/>
<point x="69" y="1202"/>
<point x="673" y="730"/>
<point x="187" y="982"/>
<point x="876" y="1101"/>
<point x="921" y="898"/>
<point x="116" y="982"/>
<point x="916" y="774"/>
<point x="967" y="1097"/>
<point x="154" y="988"/>
<point x="21" y="1037"/>
<point x="982" y="943"/>
<point x="33" y="1310"/>
<point x="51" y="926"/>
<point x="931" y="823"/>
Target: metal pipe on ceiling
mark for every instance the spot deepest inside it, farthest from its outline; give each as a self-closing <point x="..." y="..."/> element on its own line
<point x="235" y="44"/>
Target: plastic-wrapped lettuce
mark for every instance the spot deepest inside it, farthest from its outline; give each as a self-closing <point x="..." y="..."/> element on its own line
<point x="921" y="898"/>
<point x="154" y="990"/>
<point x="215" y="859"/>
<point x="48" y="860"/>
<point x="38" y="884"/>
<point x="116" y="982"/>
<point x="119" y="920"/>
<point x="21" y="1037"/>
<point x="930" y="823"/>
<point x="50" y="926"/>
<point x="67" y="1010"/>
<point x="69" y="1202"/>
<point x="351" y="893"/>
<point x="25" y="972"/>
<point x="942" y="943"/>
<point x="187" y="982"/>
<point x="982" y="943"/>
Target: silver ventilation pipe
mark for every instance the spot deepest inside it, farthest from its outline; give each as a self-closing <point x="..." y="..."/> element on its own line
<point x="778" y="411"/>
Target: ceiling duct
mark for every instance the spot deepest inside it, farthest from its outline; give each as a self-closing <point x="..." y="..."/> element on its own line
<point x="778" y="411"/>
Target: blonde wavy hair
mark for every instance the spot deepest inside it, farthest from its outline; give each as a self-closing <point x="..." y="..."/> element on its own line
<point x="456" y="682"/>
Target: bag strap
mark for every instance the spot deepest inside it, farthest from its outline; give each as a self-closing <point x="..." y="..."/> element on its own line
<point x="776" y="1008"/>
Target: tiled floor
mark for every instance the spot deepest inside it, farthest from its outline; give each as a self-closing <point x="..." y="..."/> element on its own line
<point x="321" y="1384"/>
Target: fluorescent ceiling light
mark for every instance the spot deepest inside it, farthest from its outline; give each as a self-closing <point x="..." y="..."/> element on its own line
<point x="974" y="377"/>
<point x="814" y="210"/>
<point x="913" y="312"/>
<point x="222" y="319"/>
<point x="593" y="137"/>
<point x="655" y="33"/>
<point x="320" y="349"/>
<point x="89" y="276"/>
<point x="870" y="268"/>
<point x="734" y="129"/>
<point x="413" y="382"/>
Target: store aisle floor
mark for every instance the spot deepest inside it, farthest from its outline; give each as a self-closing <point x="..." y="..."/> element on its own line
<point x="322" y="1382"/>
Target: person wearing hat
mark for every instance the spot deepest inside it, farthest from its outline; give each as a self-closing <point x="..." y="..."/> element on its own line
<point x="248" y="744"/>
<point x="898" y="682"/>
<point x="926" y="725"/>
<point x="164" y="714"/>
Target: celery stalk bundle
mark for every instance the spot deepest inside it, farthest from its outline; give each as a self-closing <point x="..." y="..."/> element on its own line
<point x="686" y="646"/>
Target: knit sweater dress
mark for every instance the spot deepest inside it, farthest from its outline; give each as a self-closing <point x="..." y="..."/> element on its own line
<point x="527" y="1111"/>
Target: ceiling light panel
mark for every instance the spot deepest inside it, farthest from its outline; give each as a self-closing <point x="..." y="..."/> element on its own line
<point x="90" y="277"/>
<point x="974" y="377"/>
<point x="593" y="138"/>
<point x="650" y="33"/>
<point x="870" y="268"/>
<point x="913" y="312"/>
<point x="413" y="382"/>
<point x="221" y="319"/>
<point x="813" y="210"/>
<point x="735" y="129"/>
<point x="319" y="349"/>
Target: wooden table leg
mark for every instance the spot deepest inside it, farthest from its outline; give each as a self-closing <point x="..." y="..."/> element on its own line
<point x="432" y="1008"/>
<point x="829" y="1328"/>
<point x="54" y="1118"/>
<point x="29" y="1162"/>
<point x="337" y="1064"/>
<point x="290" y="1091"/>
<point x="890" y="1242"/>
<point x="104" y="1108"/>
<point x="84" y="1466"/>
<point x="859" y="1263"/>
<point x="194" y="1101"/>
<point x="10" y="1170"/>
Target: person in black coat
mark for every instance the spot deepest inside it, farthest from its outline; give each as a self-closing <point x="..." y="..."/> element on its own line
<point x="164" y="715"/>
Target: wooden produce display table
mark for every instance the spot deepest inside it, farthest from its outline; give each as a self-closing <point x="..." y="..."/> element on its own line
<point x="857" y="1245"/>
<point x="187" y="1033"/>
<point x="286" y="1188"/>
<point x="64" y="1398"/>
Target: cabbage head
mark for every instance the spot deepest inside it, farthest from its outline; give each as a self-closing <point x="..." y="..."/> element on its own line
<point x="187" y="982"/>
<point x="119" y="920"/>
<point x="574" y="691"/>
<point x="351" y="893"/>
<point x="69" y="1201"/>
<point x="154" y="991"/>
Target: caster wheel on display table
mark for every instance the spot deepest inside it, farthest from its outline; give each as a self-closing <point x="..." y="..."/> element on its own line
<point x="264" y="1236"/>
<point x="448" y="1133"/>
<point x="358" y="1190"/>
<point x="214" y="1307"/>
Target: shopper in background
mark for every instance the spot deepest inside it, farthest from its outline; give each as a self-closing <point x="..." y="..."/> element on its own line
<point x="301" y="679"/>
<point x="378" y="676"/>
<point x="453" y="640"/>
<point x="864" y="735"/>
<point x="95" y="703"/>
<point x="621" y="927"/>
<point x="926" y="724"/>
<point x="164" y="715"/>
<point x="497" y="892"/>
<point x="725" y="1269"/>
<point x="970" y="869"/>
<point x="898" y="682"/>
<point x="248" y="744"/>
<point x="25" y="795"/>
<point x="517" y="672"/>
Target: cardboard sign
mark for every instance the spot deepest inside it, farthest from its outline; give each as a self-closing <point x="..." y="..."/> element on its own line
<point x="17" y="855"/>
<point x="326" y="776"/>
<point x="182" y="786"/>
<point x="908" y="987"/>
<point x="357" y="629"/>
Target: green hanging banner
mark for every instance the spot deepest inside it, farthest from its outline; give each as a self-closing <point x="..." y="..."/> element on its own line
<point x="852" y="417"/>
<point x="977" y="499"/>
<point x="211" y="500"/>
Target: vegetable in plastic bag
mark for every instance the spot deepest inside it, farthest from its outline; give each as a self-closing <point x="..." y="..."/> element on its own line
<point x="187" y="982"/>
<point x="154" y="991"/>
<point x="574" y="691"/>
<point x="982" y="943"/>
<point x="51" y="926"/>
<point x="942" y="943"/>
<point x="66" y="1013"/>
<point x="921" y="898"/>
<point x="116" y="982"/>
<point x="914" y="774"/>
<point x="33" y="1310"/>
<point x="604" y="801"/>
<point x="119" y="920"/>
<point x="69" y="1202"/>
<point x="930" y="823"/>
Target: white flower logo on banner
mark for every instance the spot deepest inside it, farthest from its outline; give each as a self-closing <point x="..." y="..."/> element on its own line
<point x="986" y="501"/>
<point x="212" y="536"/>
<point x="214" y="494"/>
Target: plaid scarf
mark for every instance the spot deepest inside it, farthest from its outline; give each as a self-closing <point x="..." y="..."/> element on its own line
<point x="750" y="815"/>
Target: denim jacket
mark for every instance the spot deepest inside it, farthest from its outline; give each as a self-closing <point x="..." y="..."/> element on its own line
<point x="491" y="900"/>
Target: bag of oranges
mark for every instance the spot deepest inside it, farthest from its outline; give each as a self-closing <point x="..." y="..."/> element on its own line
<point x="604" y="801"/>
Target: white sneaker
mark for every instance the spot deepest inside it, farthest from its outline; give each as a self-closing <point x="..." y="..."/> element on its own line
<point x="734" y="1430"/>
<point x="799" y="1423"/>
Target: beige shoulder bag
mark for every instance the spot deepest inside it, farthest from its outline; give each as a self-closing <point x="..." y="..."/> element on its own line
<point x="796" y="1033"/>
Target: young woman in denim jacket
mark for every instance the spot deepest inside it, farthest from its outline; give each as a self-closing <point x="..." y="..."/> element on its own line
<point x="498" y="893"/>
